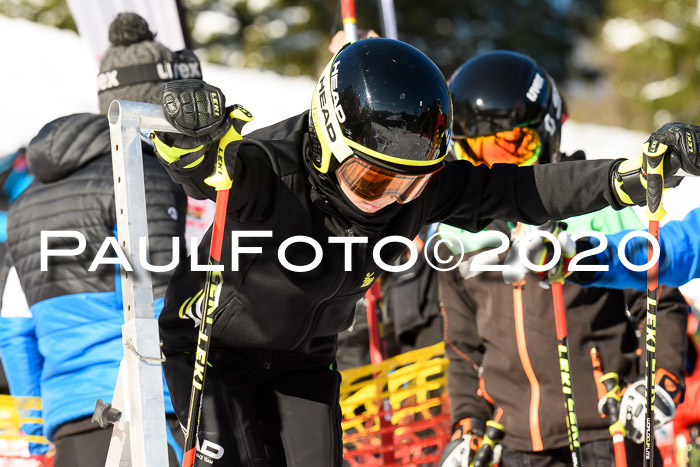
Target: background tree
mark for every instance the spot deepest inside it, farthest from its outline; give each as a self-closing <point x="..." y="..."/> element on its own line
<point x="620" y="62"/>
<point x="647" y="51"/>
<point x="291" y="36"/>
<point x="51" y="12"/>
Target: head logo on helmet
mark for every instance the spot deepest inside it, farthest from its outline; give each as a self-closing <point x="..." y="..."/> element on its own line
<point x="385" y="102"/>
<point x="503" y="92"/>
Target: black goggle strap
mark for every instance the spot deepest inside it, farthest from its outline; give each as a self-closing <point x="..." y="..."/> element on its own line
<point x="149" y="72"/>
<point x="467" y="150"/>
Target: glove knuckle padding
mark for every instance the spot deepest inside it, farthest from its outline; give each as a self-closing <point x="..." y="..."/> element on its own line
<point x="193" y="107"/>
<point x="683" y="139"/>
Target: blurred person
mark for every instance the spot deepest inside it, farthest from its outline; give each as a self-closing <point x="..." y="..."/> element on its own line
<point x="367" y="162"/>
<point x="410" y="312"/>
<point x="679" y="256"/>
<point x="339" y="40"/>
<point x="504" y="362"/>
<point x="411" y="300"/>
<point x="686" y="421"/>
<point x="13" y="180"/>
<point x="64" y="341"/>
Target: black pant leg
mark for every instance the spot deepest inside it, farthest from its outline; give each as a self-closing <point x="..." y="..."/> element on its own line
<point x="87" y="449"/>
<point x="309" y="416"/>
<point x="595" y="454"/>
<point x="90" y="448"/>
<point x="229" y="431"/>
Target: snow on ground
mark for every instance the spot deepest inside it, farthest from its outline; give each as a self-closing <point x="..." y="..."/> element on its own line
<point x="50" y="72"/>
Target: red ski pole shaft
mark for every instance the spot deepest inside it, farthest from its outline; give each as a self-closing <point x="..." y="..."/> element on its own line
<point x="653" y="163"/>
<point x="347" y="8"/>
<point x="565" y="368"/>
<point x="609" y="390"/>
<point x="374" y="325"/>
<point x="377" y="355"/>
<point x="221" y="181"/>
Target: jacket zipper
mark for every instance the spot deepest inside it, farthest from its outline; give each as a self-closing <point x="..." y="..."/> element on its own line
<point x="310" y="326"/>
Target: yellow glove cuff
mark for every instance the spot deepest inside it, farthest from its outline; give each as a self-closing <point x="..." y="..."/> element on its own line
<point x="629" y="168"/>
<point x="171" y="154"/>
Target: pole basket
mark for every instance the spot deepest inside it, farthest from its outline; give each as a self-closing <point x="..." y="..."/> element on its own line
<point x="396" y="413"/>
<point x="16" y="446"/>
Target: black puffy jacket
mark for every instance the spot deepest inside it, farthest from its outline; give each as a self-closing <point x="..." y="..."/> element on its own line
<point x="74" y="190"/>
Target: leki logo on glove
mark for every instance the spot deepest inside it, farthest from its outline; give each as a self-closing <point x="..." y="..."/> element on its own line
<point x="653" y="146"/>
<point x="217" y="106"/>
<point x="689" y="139"/>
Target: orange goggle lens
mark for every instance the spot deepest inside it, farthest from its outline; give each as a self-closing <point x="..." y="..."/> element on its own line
<point x="521" y="146"/>
<point x="371" y="183"/>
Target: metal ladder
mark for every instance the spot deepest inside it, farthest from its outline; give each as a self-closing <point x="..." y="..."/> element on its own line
<point x="136" y="412"/>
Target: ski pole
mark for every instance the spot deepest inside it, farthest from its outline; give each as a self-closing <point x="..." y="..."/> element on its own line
<point x="608" y="386"/>
<point x="347" y="9"/>
<point x="565" y="368"/>
<point x="493" y="435"/>
<point x="617" y="427"/>
<point x="221" y="182"/>
<point x="377" y="347"/>
<point x="386" y="7"/>
<point x="556" y="280"/>
<point x="653" y="163"/>
<point x="378" y="352"/>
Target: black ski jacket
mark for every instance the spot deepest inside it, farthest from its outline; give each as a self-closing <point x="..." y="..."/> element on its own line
<point x="264" y="305"/>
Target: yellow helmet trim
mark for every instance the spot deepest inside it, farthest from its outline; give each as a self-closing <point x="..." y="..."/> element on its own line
<point x="391" y="159"/>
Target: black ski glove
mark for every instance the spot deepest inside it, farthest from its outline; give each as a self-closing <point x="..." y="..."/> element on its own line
<point x="683" y="141"/>
<point x="678" y="142"/>
<point x="197" y="111"/>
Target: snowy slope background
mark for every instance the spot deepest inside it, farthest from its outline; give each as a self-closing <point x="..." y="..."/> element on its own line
<point x="48" y="73"/>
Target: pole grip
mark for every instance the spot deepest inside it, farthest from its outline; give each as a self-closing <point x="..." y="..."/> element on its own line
<point x="220" y="179"/>
<point x="653" y="165"/>
<point x="494" y="434"/>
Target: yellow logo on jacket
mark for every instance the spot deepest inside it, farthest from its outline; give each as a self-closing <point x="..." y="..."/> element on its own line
<point x="369" y="278"/>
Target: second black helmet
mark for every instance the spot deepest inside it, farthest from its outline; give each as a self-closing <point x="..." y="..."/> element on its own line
<point x="502" y="90"/>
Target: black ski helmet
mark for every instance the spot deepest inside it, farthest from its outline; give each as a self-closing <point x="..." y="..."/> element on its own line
<point x="384" y="102"/>
<point x="500" y="90"/>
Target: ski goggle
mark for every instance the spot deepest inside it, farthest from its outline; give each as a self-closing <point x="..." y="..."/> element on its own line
<point x="371" y="183"/>
<point x="521" y="146"/>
